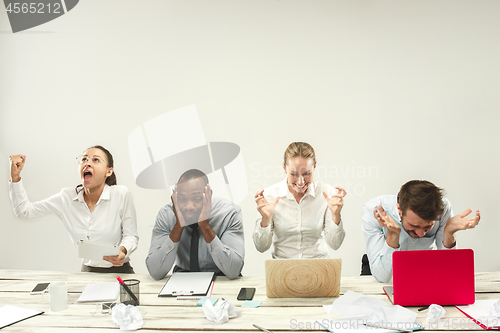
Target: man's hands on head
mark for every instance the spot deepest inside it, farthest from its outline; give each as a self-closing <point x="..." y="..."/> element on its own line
<point x="175" y="234"/>
<point x="459" y="222"/>
<point x="393" y="229"/>
<point x="205" y="228"/>
<point x="202" y="219"/>
<point x="207" y="205"/>
<point x="177" y="212"/>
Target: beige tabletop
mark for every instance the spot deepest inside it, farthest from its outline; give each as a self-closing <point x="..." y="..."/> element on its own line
<point x="169" y="314"/>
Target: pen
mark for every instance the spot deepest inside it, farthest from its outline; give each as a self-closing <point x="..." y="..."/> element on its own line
<point x="326" y="328"/>
<point x="128" y="290"/>
<point x="423" y="308"/>
<point x="261" y="328"/>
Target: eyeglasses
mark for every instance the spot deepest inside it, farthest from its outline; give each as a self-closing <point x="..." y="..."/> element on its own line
<point x="95" y="160"/>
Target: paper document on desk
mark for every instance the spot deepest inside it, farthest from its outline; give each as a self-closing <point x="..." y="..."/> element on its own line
<point x="12" y="314"/>
<point x="198" y="297"/>
<point x="188" y="284"/>
<point x="100" y="292"/>
<point x="480" y="313"/>
<point x="369" y="308"/>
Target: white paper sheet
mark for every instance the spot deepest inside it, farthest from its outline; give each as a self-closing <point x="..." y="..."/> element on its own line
<point x="187" y="284"/>
<point x="10" y="314"/>
<point x="369" y="308"/>
<point x="481" y="311"/>
<point x="100" y="292"/>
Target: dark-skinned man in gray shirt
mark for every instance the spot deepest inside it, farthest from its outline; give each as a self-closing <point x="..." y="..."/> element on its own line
<point x="197" y="231"/>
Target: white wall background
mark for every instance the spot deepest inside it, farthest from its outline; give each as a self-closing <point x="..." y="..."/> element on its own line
<point x="404" y="89"/>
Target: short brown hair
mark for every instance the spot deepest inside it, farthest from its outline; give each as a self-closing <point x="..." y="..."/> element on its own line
<point x="423" y="197"/>
<point x="299" y="149"/>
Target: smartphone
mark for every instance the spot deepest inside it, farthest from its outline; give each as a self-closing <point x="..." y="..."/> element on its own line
<point x="40" y="288"/>
<point x="246" y="294"/>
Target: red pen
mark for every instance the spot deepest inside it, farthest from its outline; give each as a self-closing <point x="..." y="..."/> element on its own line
<point x="127" y="290"/>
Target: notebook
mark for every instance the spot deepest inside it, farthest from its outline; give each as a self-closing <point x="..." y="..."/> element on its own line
<point x="188" y="284"/>
<point x="303" y="277"/>
<point x="444" y="277"/>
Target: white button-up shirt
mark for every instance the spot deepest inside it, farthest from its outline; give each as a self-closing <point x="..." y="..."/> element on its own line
<point x="299" y="230"/>
<point x="113" y="220"/>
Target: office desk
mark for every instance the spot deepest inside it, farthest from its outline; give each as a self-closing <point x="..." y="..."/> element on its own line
<point x="169" y="314"/>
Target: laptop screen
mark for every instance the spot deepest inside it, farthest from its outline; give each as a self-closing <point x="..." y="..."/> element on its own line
<point x="444" y="277"/>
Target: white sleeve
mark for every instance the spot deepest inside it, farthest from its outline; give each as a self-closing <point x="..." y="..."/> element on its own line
<point x="130" y="236"/>
<point x="334" y="234"/>
<point x="23" y="208"/>
<point x="262" y="237"/>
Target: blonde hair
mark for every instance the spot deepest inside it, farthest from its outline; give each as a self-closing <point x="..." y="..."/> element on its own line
<point x="302" y="149"/>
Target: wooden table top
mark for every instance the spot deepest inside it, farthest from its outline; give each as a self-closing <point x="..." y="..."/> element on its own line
<point x="170" y="314"/>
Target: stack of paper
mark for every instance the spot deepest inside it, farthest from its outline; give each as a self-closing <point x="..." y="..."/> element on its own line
<point x="100" y="292"/>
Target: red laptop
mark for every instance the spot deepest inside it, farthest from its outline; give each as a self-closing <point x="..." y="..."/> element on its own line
<point x="444" y="277"/>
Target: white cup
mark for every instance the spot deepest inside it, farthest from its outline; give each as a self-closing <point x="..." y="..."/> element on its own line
<point x="58" y="295"/>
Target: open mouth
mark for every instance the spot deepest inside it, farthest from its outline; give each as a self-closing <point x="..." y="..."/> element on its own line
<point x="301" y="188"/>
<point x="87" y="176"/>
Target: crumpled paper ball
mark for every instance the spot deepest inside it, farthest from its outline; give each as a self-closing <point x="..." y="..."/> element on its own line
<point x="127" y="317"/>
<point x="495" y="310"/>
<point x="221" y="312"/>
<point x="436" y="312"/>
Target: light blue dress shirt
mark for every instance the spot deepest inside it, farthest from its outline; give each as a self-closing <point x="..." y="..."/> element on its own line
<point x="379" y="253"/>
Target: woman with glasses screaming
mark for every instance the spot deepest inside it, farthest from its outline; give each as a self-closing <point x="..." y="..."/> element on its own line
<point x="98" y="210"/>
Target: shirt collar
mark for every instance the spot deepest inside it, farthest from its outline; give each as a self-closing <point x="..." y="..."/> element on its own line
<point x="285" y="192"/>
<point x="105" y="195"/>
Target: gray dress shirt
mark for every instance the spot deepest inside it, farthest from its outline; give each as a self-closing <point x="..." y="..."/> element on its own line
<point x="225" y="253"/>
